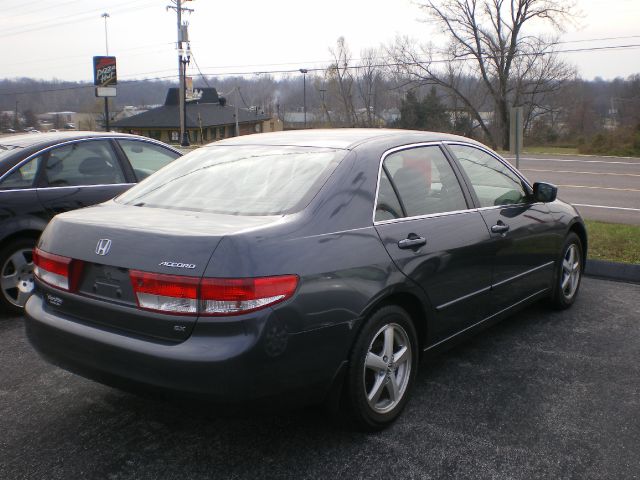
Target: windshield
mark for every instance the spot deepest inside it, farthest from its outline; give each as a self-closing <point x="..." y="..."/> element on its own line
<point x="238" y="180"/>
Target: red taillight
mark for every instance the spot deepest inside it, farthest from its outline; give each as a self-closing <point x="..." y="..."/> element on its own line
<point x="210" y="296"/>
<point x="57" y="271"/>
<point x="229" y="296"/>
<point x="165" y="293"/>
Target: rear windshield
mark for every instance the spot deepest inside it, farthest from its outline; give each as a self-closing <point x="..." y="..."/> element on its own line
<point x="238" y="180"/>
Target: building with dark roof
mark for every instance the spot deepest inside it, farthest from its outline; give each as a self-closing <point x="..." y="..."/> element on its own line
<point x="209" y="118"/>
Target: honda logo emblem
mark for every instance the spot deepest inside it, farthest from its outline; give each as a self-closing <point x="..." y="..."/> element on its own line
<point x="103" y="247"/>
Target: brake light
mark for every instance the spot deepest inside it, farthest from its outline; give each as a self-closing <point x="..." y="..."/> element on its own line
<point x="210" y="296"/>
<point x="165" y="293"/>
<point x="56" y="270"/>
<point x="229" y="296"/>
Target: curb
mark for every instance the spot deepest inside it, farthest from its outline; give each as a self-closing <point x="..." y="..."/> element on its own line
<point x="623" y="272"/>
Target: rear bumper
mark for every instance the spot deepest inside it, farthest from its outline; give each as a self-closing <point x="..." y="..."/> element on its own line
<point x="232" y="366"/>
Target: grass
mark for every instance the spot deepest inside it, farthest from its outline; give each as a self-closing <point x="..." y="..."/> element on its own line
<point x="551" y="150"/>
<point x="614" y="242"/>
<point x="544" y="150"/>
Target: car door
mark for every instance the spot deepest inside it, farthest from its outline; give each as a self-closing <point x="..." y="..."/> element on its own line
<point x="523" y="245"/>
<point x="429" y="227"/>
<point x="79" y="174"/>
<point x="20" y="207"/>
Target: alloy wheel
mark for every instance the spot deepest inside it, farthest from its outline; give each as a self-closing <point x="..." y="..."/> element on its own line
<point x="387" y="368"/>
<point x="570" y="271"/>
<point x="16" y="277"/>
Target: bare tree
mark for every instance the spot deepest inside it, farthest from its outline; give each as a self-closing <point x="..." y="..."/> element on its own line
<point x="340" y="80"/>
<point x="488" y="40"/>
<point x="368" y="79"/>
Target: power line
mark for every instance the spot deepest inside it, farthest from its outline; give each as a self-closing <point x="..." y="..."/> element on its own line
<point x="21" y="5"/>
<point x="38" y="10"/>
<point x="322" y="69"/>
<point x="601" y="39"/>
<point x="193" y="57"/>
<point x="89" y="55"/>
<point x="444" y="60"/>
<point x="58" y="21"/>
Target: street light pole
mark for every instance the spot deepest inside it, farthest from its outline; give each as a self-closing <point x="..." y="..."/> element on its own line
<point x="106" y="36"/>
<point x="106" y="47"/>
<point x="304" y="72"/>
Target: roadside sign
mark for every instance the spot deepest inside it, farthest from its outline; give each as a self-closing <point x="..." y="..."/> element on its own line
<point x="105" y="91"/>
<point x="104" y="72"/>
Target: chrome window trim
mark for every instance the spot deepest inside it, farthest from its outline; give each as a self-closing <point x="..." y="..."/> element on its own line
<point x="89" y="139"/>
<point x="33" y="189"/>
<point x="428" y="215"/>
<point x="509" y="205"/>
<point x="393" y="150"/>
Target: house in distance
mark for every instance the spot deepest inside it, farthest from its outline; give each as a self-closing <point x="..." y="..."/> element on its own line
<point x="209" y="118"/>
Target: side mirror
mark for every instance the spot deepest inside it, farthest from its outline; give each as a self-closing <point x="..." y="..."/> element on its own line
<point x="544" y="192"/>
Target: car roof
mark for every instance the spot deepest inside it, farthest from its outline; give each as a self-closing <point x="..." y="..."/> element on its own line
<point x="343" y="138"/>
<point x="25" y="140"/>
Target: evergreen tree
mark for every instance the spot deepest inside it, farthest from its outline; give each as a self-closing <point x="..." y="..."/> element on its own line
<point x="426" y="114"/>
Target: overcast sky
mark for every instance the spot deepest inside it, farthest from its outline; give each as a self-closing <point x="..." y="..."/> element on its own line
<point x="57" y="38"/>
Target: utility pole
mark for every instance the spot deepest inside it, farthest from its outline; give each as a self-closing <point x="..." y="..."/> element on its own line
<point x="236" y="102"/>
<point x="304" y="72"/>
<point x="183" y="60"/>
<point x="16" y="122"/>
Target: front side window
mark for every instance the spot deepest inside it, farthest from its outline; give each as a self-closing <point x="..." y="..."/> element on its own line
<point x="82" y="163"/>
<point x="146" y="158"/>
<point x="493" y="182"/>
<point x="23" y="177"/>
<point x="238" y="180"/>
<point x="424" y="180"/>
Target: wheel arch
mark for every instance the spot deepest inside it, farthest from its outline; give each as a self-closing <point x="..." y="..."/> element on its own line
<point x="408" y="301"/>
<point x="580" y="230"/>
<point x="33" y="234"/>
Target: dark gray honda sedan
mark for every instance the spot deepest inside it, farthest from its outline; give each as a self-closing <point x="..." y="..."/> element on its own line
<point x="317" y="265"/>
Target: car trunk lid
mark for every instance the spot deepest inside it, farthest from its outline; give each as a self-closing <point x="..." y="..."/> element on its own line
<point x="113" y="241"/>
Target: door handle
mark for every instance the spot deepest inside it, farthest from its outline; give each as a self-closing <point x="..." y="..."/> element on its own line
<point x="500" y="228"/>
<point x="412" y="241"/>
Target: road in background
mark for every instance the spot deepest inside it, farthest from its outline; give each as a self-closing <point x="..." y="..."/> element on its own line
<point x="601" y="188"/>
<point x="545" y="394"/>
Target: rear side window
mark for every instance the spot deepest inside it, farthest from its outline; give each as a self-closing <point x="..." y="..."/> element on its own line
<point x="388" y="206"/>
<point x="146" y="158"/>
<point x="492" y="181"/>
<point x="238" y="180"/>
<point x="424" y="180"/>
<point x="22" y="177"/>
<point x="83" y="163"/>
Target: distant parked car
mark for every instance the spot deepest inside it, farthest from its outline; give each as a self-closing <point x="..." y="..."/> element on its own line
<point x="44" y="174"/>
<point x="311" y="264"/>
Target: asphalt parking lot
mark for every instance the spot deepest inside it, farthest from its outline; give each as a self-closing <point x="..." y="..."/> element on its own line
<point x="544" y="395"/>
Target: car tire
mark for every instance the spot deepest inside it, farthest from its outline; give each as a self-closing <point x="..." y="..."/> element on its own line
<point x="568" y="273"/>
<point x="16" y="274"/>
<point x="382" y="369"/>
